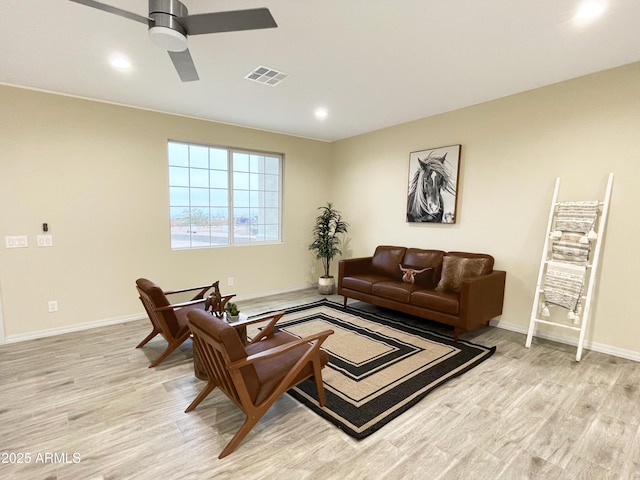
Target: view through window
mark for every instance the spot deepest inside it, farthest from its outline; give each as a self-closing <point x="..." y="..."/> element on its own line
<point x="223" y="196"/>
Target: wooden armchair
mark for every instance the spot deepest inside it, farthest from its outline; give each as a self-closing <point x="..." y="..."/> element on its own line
<point x="256" y="375"/>
<point x="167" y="319"/>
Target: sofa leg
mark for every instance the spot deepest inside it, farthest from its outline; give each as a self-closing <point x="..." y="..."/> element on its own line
<point x="456" y="332"/>
<point x="344" y="303"/>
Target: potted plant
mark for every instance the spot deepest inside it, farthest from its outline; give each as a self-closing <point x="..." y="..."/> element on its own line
<point x="329" y="225"/>
<point x="233" y="314"/>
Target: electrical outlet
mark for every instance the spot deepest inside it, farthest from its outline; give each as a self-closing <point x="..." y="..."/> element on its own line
<point x="53" y="306"/>
<point x="230" y="281"/>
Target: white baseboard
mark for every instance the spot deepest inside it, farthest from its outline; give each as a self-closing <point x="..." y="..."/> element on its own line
<point x="50" y="332"/>
<point x="594" y="346"/>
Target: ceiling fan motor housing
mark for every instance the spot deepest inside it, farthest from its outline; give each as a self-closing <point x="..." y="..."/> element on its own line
<point x="166" y="31"/>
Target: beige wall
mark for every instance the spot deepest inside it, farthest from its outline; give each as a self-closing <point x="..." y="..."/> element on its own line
<point x="512" y="151"/>
<point x="97" y="174"/>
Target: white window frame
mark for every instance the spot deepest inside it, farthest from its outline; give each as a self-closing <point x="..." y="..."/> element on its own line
<point x="223" y="196"/>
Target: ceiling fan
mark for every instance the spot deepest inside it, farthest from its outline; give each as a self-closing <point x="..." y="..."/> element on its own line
<point x="169" y="25"/>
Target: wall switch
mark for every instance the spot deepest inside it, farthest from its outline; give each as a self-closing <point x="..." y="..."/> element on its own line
<point x="16" y="241"/>
<point x="45" y="241"/>
<point x="230" y="281"/>
<point x="53" y="306"/>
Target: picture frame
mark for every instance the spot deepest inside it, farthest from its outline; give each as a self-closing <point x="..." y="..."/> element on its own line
<point x="433" y="185"/>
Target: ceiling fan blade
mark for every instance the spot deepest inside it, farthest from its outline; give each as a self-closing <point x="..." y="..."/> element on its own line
<point x="231" y="21"/>
<point x="184" y="65"/>
<point x="115" y="10"/>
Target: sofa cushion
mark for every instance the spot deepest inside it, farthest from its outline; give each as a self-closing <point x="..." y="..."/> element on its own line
<point x="418" y="259"/>
<point x="386" y="259"/>
<point x="394" y="290"/>
<point x="363" y="282"/>
<point x="434" y="300"/>
<point x="455" y="268"/>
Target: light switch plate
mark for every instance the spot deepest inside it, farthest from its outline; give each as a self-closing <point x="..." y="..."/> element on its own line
<point x="45" y="241"/>
<point x="16" y="241"/>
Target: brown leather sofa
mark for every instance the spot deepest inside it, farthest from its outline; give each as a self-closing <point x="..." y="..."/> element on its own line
<point x="455" y="288"/>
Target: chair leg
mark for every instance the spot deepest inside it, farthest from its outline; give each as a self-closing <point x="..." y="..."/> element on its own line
<point x="317" y="375"/>
<point x="201" y="396"/>
<point x="175" y="343"/>
<point x="170" y="348"/>
<point x="246" y="427"/>
<point x="153" y="333"/>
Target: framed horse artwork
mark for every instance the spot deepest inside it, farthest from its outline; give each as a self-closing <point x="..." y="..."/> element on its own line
<point x="433" y="185"/>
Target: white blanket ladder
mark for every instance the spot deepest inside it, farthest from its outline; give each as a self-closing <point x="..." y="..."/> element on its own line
<point x="589" y="270"/>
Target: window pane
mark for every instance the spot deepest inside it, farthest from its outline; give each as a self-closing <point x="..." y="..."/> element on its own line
<point x="200" y="197"/>
<point x="218" y="159"/>
<point x="255" y="181"/>
<point x="178" y="196"/>
<point x="241" y="198"/>
<point x="257" y="233"/>
<point x="257" y="215"/>
<point x="240" y="162"/>
<point x="272" y="233"/>
<point x="198" y="157"/>
<point x="271" y="183"/>
<point x="271" y="215"/>
<point x="240" y="180"/>
<point x="178" y="176"/>
<point x="271" y="165"/>
<point x="219" y="198"/>
<point x="178" y="154"/>
<point x="271" y="199"/>
<point x="200" y="216"/>
<point x="256" y="163"/>
<point x="199" y="177"/>
<point x="218" y="179"/>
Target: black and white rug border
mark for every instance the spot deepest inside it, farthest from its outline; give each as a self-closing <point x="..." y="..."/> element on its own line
<point x="362" y="423"/>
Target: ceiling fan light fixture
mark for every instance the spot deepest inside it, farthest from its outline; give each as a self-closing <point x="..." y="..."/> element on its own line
<point x="168" y="39"/>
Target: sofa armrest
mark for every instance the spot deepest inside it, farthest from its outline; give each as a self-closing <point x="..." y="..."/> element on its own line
<point x="481" y="298"/>
<point x="353" y="266"/>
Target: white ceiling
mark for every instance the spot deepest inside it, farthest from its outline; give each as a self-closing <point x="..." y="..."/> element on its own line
<point x="371" y="63"/>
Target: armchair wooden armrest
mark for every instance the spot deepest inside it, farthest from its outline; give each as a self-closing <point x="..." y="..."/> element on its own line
<point x="202" y="290"/>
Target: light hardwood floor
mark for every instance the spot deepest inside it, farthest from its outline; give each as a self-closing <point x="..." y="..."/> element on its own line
<point x="524" y="413"/>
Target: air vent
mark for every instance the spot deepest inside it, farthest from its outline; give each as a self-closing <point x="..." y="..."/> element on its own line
<point x="267" y="76"/>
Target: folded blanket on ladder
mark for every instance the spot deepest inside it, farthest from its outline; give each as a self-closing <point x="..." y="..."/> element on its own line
<point x="577" y="216"/>
<point x="563" y="286"/>
<point x="569" y="249"/>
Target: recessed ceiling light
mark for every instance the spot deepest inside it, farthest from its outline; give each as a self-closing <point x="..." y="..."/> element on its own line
<point x="120" y="62"/>
<point x="589" y="10"/>
<point x="321" y="113"/>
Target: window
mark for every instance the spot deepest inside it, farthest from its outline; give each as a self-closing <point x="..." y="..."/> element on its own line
<point x="222" y="196"/>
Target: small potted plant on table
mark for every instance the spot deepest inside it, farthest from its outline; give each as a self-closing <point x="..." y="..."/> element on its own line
<point x="233" y="314"/>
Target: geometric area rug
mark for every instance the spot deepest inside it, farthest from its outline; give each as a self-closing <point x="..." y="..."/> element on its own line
<point x="378" y="367"/>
